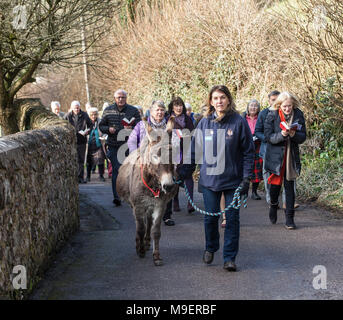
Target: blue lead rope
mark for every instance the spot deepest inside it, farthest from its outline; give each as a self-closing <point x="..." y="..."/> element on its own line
<point x="235" y="204"/>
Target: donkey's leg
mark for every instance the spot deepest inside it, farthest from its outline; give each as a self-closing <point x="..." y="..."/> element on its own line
<point x="140" y="231"/>
<point x="156" y="233"/>
<point x="147" y="237"/>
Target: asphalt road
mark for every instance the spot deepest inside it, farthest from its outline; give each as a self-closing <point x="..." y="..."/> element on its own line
<point x="100" y="261"/>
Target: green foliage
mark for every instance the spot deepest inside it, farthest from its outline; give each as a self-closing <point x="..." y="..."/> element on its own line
<point x="321" y="178"/>
<point x="327" y="123"/>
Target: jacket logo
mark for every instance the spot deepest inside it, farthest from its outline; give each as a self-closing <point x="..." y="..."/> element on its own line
<point x="229" y="132"/>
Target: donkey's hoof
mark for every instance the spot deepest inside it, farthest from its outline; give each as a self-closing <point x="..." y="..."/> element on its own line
<point x="158" y="262"/>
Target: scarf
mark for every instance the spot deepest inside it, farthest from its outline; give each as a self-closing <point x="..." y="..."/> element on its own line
<point x="94" y="132"/>
<point x="287" y="163"/>
<point x="291" y="174"/>
<point x="180" y="120"/>
<point x="157" y="125"/>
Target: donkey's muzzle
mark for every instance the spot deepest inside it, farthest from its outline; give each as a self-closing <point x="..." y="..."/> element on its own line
<point x="167" y="187"/>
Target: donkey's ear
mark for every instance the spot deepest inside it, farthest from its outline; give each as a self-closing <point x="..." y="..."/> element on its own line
<point x="148" y="130"/>
<point x="170" y="125"/>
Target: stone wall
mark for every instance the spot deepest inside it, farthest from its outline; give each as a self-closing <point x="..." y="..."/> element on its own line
<point x="38" y="201"/>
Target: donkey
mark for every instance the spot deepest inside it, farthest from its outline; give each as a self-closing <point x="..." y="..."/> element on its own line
<point x="146" y="183"/>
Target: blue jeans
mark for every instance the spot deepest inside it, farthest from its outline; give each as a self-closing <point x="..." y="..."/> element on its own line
<point x="112" y="156"/>
<point x="231" y="233"/>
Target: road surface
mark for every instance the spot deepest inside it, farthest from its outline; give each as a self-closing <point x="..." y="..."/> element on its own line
<point x="100" y="260"/>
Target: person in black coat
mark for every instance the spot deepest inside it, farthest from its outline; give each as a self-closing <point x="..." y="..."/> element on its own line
<point x="82" y="123"/>
<point x="116" y="117"/>
<point x="284" y="130"/>
<point x="259" y="133"/>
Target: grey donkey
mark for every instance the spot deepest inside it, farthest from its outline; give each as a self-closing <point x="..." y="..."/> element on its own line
<point x="145" y="181"/>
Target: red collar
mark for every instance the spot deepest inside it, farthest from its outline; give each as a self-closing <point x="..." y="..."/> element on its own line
<point x="156" y="194"/>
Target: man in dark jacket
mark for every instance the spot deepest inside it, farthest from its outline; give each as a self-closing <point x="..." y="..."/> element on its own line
<point x="82" y="123"/>
<point x="116" y="117"/>
<point x="259" y="132"/>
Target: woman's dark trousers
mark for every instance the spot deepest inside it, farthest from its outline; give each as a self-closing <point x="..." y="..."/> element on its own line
<point x="168" y="213"/>
<point x="90" y="166"/>
<point x="290" y="199"/>
<point x="231" y="233"/>
<point x="81" y="154"/>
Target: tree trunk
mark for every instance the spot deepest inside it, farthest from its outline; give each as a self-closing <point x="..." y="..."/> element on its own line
<point x="8" y="119"/>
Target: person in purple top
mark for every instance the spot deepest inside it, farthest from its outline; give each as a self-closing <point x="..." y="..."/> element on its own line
<point x="156" y="120"/>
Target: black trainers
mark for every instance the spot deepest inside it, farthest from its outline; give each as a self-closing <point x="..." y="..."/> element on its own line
<point x="290" y="225"/>
<point x="190" y="209"/>
<point x="273" y="213"/>
<point x="208" y="257"/>
<point x="102" y="178"/>
<point x="230" y="266"/>
<point x="117" y="202"/>
<point x="255" y="196"/>
<point x="169" y="222"/>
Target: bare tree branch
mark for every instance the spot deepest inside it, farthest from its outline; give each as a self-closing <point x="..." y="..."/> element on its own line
<point x="42" y="32"/>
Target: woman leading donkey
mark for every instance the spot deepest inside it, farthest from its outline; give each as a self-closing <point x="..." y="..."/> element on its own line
<point x="226" y="159"/>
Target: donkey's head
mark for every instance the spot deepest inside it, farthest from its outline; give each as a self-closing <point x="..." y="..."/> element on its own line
<point x="156" y="156"/>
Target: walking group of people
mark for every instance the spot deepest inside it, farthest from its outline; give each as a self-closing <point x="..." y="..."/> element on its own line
<point x="89" y="138"/>
<point x="277" y="132"/>
<point x="255" y="146"/>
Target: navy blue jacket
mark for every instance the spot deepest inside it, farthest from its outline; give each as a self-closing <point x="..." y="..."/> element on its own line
<point x="235" y="152"/>
<point x="259" y="130"/>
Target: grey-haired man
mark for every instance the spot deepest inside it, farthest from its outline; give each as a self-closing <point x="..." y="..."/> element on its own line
<point x="116" y="117"/>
